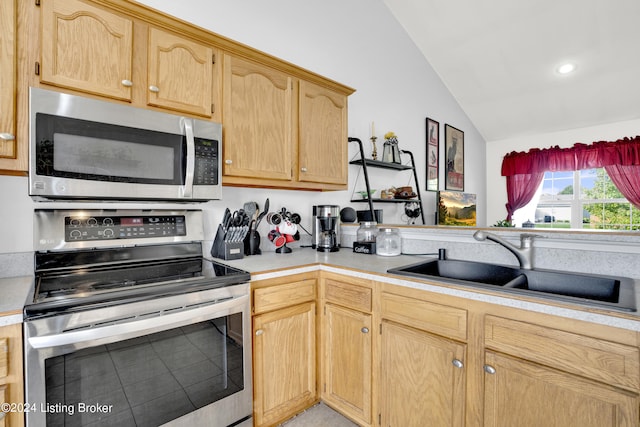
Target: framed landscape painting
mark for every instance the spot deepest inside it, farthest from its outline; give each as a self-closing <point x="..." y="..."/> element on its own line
<point x="456" y="209"/>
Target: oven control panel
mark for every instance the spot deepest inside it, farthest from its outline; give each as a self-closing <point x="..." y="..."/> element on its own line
<point x="78" y="229"/>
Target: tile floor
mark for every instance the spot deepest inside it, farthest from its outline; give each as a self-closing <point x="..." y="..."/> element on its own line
<point x="319" y="416"/>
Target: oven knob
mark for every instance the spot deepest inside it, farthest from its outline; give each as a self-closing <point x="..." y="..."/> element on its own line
<point x="108" y="232"/>
<point x="92" y="221"/>
<point x="75" y="234"/>
<point x="107" y="221"/>
<point x="75" y="222"/>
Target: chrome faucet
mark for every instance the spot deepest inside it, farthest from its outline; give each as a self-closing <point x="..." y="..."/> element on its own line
<point x="524" y="253"/>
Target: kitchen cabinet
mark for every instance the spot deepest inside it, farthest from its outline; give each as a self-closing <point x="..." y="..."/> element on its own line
<point x="422" y="374"/>
<point x="284" y="348"/>
<point x="280" y="130"/>
<point x="87" y="48"/>
<point x="537" y="375"/>
<point x="322" y="135"/>
<point x="258" y="114"/>
<point x="11" y="157"/>
<point x="347" y="342"/>
<point x="11" y="375"/>
<point x="181" y="74"/>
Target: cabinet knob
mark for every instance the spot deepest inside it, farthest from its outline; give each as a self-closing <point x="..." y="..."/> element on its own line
<point x="7" y="136"/>
<point x="489" y="369"/>
<point x="303" y="169"/>
<point x="365" y="330"/>
<point x="127" y="83"/>
<point x="154" y="89"/>
<point x="259" y="332"/>
<point x="457" y="363"/>
<point x="228" y="162"/>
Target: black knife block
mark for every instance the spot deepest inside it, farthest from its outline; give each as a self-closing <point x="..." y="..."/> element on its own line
<point x="226" y="250"/>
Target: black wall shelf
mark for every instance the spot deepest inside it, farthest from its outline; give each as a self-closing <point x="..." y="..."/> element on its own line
<point x="366" y="163"/>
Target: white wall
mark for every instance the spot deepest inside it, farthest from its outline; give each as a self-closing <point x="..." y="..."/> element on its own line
<point x="358" y="43"/>
<point x="496" y="150"/>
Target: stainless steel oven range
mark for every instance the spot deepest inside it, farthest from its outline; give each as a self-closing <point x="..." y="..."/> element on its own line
<point x="130" y="326"/>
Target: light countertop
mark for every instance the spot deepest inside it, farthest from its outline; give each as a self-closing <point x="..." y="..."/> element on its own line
<point x="374" y="267"/>
<point x="15" y="291"/>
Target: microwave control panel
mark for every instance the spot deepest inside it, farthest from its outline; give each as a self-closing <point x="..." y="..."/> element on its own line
<point x="206" y="162"/>
<point x="79" y="229"/>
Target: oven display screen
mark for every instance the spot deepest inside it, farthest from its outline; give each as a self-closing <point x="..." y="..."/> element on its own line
<point x="125" y="227"/>
<point x="131" y="221"/>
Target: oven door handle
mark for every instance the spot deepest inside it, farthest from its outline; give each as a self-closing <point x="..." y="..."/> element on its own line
<point x="187" y="188"/>
<point x="150" y="324"/>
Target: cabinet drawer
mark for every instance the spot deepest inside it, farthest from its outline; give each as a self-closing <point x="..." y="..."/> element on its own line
<point x="437" y="318"/>
<point x="280" y="296"/>
<point x="348" y="295"/>
<point x="612" y="363"/>
<point x="4" y="357"/>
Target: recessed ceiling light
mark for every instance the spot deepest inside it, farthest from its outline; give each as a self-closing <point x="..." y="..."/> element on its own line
<point x="566" y="68"/>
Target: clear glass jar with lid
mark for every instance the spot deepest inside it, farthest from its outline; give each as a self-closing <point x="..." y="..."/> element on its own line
<point x="367" y="232"/>
<point x="388" y="242"/>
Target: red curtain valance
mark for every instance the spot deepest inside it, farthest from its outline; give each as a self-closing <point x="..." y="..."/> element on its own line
<point x="624" y="152"/>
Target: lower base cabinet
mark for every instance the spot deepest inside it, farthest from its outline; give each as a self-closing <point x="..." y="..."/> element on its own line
<point x="347" y="362"/>
<point x="422" y="379"/>
<point x="520" y="393"/>
<point x="284" y="372"/>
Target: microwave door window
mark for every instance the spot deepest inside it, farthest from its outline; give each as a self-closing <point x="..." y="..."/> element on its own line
<point x="114" y="159"/>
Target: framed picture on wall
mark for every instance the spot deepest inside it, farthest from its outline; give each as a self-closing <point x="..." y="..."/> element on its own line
<point x="454" y="158"/>
<point x="433" y="151"/>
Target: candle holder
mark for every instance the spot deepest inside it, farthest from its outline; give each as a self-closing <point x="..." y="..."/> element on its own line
<point x="374" y="153"/>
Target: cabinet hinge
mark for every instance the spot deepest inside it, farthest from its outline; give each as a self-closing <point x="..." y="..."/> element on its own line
<point x="379" y="419"/>
<point x="37" y="2"/>
<point x="213" y="108"/>
<point x="325" y="387"/>
<point x="380" y="328"/>
<point x="37" y="69"/>
<point x="213" y="58"/>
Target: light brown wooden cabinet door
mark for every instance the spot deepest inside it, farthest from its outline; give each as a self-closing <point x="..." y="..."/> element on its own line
<point x="527" y="394"/>
<point x="284" y="362"/>
<point x="8" y="144"/>
<point x="347" y="361"/>
<point x="180" y="73"/>
<point x="322" y="135"/>
<point x="11" y="374"/>
<point x="258" y="112"/>
<point x="419" y="383"/>
<point x="86" y="48"/>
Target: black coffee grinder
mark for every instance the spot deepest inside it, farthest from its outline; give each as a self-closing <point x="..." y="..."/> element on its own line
<point x="326" y="228"/>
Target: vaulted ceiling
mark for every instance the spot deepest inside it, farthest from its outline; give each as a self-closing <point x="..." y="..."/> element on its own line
<point x="499" y="59"/>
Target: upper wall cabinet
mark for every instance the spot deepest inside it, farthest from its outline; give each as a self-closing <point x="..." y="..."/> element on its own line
<point x="86" y="48"/>
<point x="180" y="73"/>
<point x="258" y="112"/>
<point x="283" y="126"/>
<point x="10" y="158"/>
<point x="323" y="135"/>
<point x="281" y="130"/>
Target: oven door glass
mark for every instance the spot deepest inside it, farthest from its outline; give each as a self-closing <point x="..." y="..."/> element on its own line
<point x="149" y="380"/>
<point x="81" y="149"/>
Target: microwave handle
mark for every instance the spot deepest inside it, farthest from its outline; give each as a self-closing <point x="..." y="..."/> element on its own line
<point x="187" y="189"/>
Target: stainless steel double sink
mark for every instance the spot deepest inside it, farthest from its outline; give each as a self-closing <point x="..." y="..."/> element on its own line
<point x="617" y="293"/>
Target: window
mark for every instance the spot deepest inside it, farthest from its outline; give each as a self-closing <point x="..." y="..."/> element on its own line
<point x="585" y="199"/>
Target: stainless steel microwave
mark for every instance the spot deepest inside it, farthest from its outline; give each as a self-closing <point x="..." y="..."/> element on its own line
<point x="84" y="148"/>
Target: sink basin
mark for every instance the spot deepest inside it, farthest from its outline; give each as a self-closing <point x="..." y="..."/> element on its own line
<point x="470" y="271"/>
<point x="616" y="293"/>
